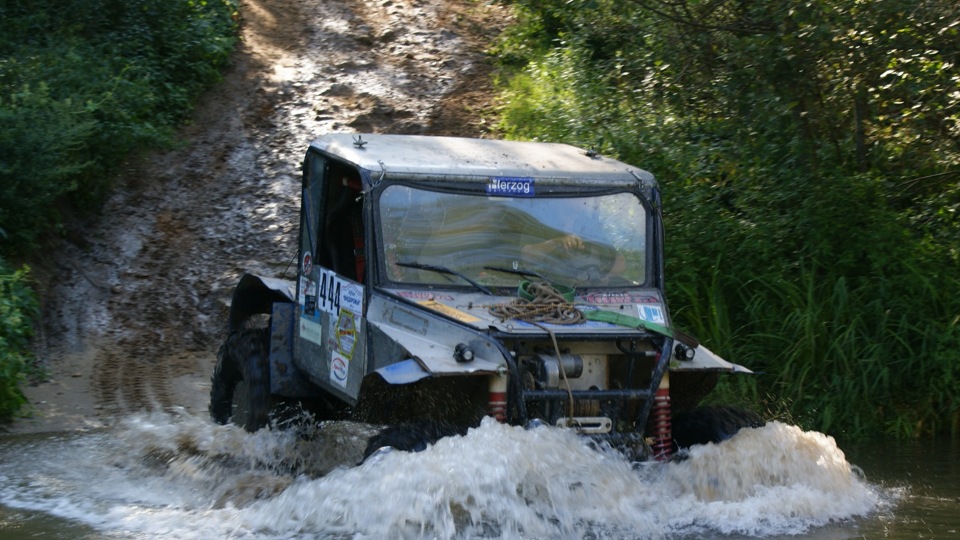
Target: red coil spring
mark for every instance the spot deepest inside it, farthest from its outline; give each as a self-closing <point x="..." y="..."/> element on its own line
<point x="497" y="406"/>
<point x="661" y="419"/>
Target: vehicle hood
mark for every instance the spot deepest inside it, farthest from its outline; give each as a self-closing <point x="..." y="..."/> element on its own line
<point x="474" y="309"/>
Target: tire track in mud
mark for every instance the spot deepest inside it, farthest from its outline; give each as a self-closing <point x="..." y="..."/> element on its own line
<point x="135" y="304"/>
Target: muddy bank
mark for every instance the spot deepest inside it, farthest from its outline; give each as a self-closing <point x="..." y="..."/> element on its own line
<point x="135" y="302"/>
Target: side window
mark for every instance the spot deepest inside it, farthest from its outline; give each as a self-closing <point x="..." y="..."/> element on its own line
<point x="342" y="237"/>
<point x="310" y="201"/>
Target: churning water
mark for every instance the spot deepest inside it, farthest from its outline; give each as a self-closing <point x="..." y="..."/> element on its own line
<point x="180" y="476"/>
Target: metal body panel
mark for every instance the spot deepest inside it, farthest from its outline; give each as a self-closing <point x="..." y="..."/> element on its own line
<point x="429" y="339"/>
<point x="330" y="344"/>
<point x="285" y="379"/>
<point x="411" y="156"/>
<point x="405" y="372"/>
<point x="706" y="360"/>
<point x="256" y="295"/>
<point x="473" y="309"/>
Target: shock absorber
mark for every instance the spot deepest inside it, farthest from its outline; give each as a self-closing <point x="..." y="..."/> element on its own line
<point x="661" y="420"/>
<point x="497" y="401"/>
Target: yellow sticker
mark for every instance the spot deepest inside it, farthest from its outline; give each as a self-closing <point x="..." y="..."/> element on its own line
<point x="346" y="333"/>
<point x="449" y="311"/>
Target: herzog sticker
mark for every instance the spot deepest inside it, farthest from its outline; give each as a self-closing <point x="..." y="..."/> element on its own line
<point x="510" y="187"/>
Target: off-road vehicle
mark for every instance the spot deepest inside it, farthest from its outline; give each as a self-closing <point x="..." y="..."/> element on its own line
<point x="441" y="280"/>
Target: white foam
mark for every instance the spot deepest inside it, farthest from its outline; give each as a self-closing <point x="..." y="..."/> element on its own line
<point x="183" y="477"/>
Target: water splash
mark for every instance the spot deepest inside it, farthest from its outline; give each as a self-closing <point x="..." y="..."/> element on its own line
<point x="182" y="477"/>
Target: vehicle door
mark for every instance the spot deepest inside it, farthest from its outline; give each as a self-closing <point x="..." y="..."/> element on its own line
<point x="330" y="325"/>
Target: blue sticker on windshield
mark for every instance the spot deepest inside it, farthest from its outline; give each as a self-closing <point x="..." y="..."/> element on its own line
<point x="510" y="187"/>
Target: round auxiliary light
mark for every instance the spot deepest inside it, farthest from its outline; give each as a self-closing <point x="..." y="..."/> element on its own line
<point x="463" y="353"/>
<point x="682" y="352"/>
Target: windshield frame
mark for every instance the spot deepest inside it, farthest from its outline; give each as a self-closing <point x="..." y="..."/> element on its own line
<point x="382" y="277"/>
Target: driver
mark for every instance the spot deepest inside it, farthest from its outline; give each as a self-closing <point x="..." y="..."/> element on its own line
<point x="574" y="241"/>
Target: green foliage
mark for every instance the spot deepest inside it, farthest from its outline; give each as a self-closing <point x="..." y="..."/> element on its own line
<point x="84" y="83"/>
<point x="42" y="156"/>
<point x="18" y="312"/>
<point x="808" y="154"/>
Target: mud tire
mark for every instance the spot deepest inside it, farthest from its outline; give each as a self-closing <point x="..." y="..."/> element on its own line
<point x="712" y="424"/>
<point x="240" y="385"/>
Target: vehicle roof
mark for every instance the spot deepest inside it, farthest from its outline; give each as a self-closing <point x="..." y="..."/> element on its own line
<point x="402" y="156"/>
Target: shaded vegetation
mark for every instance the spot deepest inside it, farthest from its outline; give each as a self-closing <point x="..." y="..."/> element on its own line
<point x="83" y="84"/>
<point x="18" y="308"/>
<point x="809" y="154"/>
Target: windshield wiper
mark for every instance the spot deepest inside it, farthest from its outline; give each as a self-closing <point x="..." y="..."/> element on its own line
<point x="515" y="271"/>
<point x="444" y="270"/>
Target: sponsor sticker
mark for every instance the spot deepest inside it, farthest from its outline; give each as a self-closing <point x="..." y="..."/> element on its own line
<point x="336" y="293"/>
<point x="448" y="311"/>
<point x="425" y="295"/>
<point x="608" y="298"/>
<point x="351" y="297"/>
<point x="308" y="296"/>
<point x="346" y="333"/>
<point x="339" y="369"/>
<point x="511" y="186"/>
<point x="653" y="314"/>
<point x="311" y="331"/>
<point x="307" y="264"/>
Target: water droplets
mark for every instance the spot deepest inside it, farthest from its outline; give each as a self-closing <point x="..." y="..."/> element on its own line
<point x="184" y="477"/>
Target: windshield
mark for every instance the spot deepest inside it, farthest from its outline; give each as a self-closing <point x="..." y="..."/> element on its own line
<point x="440" y="238"/>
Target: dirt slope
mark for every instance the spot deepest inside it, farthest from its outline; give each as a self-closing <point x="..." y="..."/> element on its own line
<point x="135" y="303"/>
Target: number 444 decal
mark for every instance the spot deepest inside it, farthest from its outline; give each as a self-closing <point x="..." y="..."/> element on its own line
<point x="336" y="293"/>
<point x="328" y="297"/>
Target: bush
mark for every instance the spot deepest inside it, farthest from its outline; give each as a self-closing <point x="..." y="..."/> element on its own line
<point x="18" y="313"/>
<point x="42" y="158"/>
<point x="83" y="83"/>
<point x="809" y="174"/>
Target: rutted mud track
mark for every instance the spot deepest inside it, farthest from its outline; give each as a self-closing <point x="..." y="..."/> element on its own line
<point x="135" y="303"/>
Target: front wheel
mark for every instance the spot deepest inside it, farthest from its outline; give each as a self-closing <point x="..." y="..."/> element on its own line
<point x="240" y="386"/>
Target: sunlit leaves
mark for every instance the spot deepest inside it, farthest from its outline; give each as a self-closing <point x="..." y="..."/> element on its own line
<point x="813" y="145"/>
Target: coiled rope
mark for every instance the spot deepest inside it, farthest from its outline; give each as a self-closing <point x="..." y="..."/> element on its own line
<point x="547" y="305"/>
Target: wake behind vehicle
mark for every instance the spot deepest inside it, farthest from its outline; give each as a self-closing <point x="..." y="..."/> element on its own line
<point x="442" y="280"/>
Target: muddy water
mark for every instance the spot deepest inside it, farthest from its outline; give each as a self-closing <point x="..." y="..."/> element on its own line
<point x="179" y="476"/>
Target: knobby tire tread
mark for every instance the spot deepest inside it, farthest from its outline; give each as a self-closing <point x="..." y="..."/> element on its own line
<point x="240" y="385"/>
